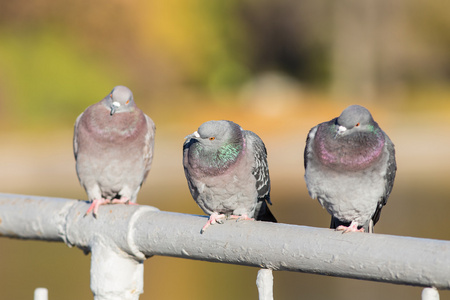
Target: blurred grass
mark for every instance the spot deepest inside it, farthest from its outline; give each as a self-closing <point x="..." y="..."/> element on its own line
<point x="46" y="77"/>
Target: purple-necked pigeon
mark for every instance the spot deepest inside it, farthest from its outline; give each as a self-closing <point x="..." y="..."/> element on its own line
<point x="113" y="147"/>
<point x="350" y="168"/>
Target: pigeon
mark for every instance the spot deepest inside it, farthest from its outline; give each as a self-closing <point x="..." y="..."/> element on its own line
<point x="227" y="172"/>
<point x="350" y="169"/>
<point x="113" y="146"/>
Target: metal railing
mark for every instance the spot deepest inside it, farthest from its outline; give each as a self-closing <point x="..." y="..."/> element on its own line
<point x="131" y="234"/>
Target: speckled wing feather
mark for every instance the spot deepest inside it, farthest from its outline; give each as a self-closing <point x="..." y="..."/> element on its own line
<point x="261" y="173"/>
<point x="261" y="169"/>
<point x="391" y="169"/>
<point x="148" y="146"/>
<point x="75" y="137"/>
<point x="187" y="143"/>
<point x="312" y="132"/>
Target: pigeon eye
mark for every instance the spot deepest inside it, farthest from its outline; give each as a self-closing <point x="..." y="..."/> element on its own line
<point x="128" y="101"/>
<point x="357" y="124"/>
<point x="212" y="138"/>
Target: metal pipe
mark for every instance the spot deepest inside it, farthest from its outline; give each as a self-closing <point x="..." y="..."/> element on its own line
<point x="142" y="231"/>
<point x="376" y="257"/>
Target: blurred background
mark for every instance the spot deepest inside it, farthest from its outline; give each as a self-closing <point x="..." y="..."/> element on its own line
<point x="276" y="67"/>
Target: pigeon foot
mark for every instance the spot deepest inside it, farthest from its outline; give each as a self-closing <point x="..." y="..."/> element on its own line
<point x="241" y="217"/>
<point x="123" y="200"/>
<point x="213" y="219"/>
<point x="352" y="228"/>
<point x="95" y="205"/>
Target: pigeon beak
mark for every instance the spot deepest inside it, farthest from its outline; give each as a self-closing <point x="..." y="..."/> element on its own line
<point x="341" y="129"/>
<point x="193" y="135"/>
<point x="114" y="106"/>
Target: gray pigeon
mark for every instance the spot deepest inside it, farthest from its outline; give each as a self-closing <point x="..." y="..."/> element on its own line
<point x="227" y="172"/>
<point x="113" y="147"/>
<point x="350" y="168"/>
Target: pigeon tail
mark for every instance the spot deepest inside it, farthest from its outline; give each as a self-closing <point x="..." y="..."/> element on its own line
<point x="264" y="213"/>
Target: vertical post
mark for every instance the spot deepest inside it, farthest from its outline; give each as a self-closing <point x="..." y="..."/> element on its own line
<point x="264" y="282"/>
<point x="114" y="274"/>
<point x="430" y="294"/>
<point x="41" y="294"/>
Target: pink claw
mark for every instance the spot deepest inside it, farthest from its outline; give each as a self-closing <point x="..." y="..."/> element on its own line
<point x="95" y="205"/>
<point x="213" y="219"/>
<point x="97" y="202"/>
<point x="241" y="217"/>
<point x="123" y="200"/>
<point x="352" y="228"/>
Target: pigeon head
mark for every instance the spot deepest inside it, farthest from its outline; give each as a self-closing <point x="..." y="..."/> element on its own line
<point x="214" y="134"/>
<point x="216" y="144"/>
<point x="120" y="100"/>
<point x="218" y="132"/>
<point x="354" y="118"/>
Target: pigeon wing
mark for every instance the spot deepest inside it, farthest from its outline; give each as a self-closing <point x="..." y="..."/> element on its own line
<point x="148" y="145"/>
<point x="391" y="169"/>
<point x="309" y="139"/>
<point x="75" y="137"/>
<point x="261" y="168"/>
